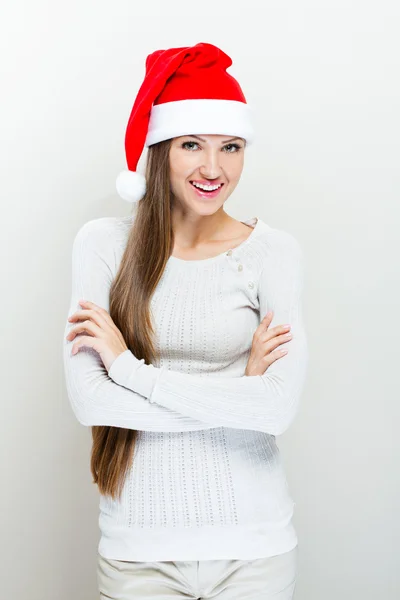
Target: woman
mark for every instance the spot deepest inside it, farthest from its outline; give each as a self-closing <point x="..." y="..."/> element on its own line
<point x="178" y="318"/>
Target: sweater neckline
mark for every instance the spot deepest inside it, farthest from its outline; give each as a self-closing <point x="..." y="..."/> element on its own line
<point x="254" y="222"/>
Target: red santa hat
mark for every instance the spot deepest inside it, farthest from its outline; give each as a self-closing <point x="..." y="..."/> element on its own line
<point x="185" y="91"/>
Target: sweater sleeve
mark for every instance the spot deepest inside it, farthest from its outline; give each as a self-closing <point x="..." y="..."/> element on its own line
<point x="95" y="398"/>
<point x="267" y="402"/>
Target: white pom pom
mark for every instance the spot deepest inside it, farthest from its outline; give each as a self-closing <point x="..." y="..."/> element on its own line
<point x="131" y="186"/>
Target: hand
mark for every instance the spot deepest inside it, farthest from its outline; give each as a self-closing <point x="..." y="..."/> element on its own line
<point x="103" y="335"/>
<point x="264" y="342"/>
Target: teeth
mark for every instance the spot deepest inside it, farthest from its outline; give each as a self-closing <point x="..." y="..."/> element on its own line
<point x="207" y="188"/>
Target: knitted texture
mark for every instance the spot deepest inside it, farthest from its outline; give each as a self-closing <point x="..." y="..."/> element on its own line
<point x="207" y="480"/>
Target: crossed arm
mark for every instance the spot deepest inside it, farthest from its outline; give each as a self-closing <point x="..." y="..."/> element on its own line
<point x="139" y="396"/>
<point x="95" y="398"/>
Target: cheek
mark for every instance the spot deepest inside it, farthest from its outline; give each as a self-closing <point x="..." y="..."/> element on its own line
<point x="182" y="165"/>
<point x="234" y="167"/>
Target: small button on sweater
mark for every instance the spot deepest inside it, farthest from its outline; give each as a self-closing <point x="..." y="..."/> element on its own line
<point x="207" y="480"/>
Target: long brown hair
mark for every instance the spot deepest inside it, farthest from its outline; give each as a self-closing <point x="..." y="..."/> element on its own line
<point x="149" y="245"/>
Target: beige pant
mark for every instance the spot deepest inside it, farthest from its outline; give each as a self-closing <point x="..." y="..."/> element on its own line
<point x="260" y="579"/>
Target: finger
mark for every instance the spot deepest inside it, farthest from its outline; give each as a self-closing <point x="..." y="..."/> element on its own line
<point x="267" y="318"/>
<point x="91" y="314"/>
<point x="86" y="326"/>
<point x="269" y="359"/>
<point x="79" y="314"/>
<point x="96" y="308"/>
<point x="279" y="353"/>
<point x="277" y="331"/>
<point x="85" y="342"/>
<point x="281" y="328"/>
<point x="267" y="347"/>
<point x="264" y="324"/>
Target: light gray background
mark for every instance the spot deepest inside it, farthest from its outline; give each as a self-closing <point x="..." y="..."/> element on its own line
<point x="323" y="78"/>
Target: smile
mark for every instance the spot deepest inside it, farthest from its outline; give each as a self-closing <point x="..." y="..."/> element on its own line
<point x="206" y="191"/>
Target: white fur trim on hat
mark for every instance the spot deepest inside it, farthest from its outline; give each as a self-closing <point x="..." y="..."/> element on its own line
<point x="204" y="116"/>
<point x="131" y="186"/>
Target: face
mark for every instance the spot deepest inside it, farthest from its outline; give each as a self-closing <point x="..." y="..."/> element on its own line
<point x="210" y="160"/>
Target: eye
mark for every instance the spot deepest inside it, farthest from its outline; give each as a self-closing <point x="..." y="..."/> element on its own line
<point x="235" y="146"/>
<point x="185" y="144"/>
<point x="229" y="148"/>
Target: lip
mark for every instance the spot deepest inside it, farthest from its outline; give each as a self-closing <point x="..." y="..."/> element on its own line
<point x="206" y="195"/>
<point x="205" y="182"/>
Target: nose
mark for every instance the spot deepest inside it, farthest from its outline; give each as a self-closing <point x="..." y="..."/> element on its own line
<point x="211" y="167"/>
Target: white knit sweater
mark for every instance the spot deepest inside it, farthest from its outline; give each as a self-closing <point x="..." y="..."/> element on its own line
<point x="207" y="481"/>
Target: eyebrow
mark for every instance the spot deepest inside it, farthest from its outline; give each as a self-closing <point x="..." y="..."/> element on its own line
<point x="224" y="142"/>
